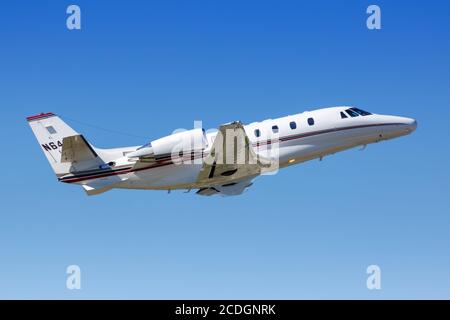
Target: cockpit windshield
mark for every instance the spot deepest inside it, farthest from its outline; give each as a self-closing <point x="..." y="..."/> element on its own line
<point x="360" y="112"/>
<point x="352" y="113"/>
<point x="355" y="112"/>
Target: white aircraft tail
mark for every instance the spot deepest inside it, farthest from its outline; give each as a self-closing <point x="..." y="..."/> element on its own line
<point x="65" y="149"/>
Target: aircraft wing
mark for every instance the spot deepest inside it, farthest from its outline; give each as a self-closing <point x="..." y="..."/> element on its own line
<point x="231" y="157"/>
<point x="230" y="189"/>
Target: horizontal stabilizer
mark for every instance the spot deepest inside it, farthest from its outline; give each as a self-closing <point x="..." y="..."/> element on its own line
<point x="98" y="186"/>
<point x="77" y="149"/>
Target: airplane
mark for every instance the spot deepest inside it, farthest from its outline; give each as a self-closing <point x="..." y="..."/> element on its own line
<point x="222" y="162"/>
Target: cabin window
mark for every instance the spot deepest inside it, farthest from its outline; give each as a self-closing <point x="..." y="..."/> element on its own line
<point x="343" y="115"/>
<point x="293" y="125"/>
<point x="275" y="129"/>
<point x="351" y="113"/>
<point x="311" y="121"/>
<point x="257" y="133"/>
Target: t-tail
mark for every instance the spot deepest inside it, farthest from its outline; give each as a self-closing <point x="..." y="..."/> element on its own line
<point x="66" y="150"/>
<point x="71" y="156"/>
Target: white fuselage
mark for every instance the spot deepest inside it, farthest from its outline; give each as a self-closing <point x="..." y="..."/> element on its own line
<point x="298" y="139"/>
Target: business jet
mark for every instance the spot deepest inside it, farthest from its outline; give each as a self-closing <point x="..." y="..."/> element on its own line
<point x="223" y="161"/>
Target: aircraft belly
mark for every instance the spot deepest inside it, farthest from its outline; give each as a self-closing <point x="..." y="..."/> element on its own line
<point x="309" y="148"/>
<point x="166" y="177"/>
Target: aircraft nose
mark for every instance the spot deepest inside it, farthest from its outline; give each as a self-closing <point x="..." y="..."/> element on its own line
<point x="411" y="124"/>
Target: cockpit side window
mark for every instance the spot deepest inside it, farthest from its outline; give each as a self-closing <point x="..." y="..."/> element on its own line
<point x="352" y="113"/>
<point x="343" y="115"/>
<point x="361" y="112"/>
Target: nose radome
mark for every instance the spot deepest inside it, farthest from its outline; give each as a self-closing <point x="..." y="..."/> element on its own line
<point x="411" y="123"/>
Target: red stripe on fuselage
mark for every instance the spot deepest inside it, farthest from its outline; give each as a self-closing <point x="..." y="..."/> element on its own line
<point x="166" y="162"/>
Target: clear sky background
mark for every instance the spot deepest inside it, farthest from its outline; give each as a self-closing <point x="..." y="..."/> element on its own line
<point x="145" y="68"/>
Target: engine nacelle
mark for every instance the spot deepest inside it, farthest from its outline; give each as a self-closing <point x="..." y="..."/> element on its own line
<point x="178" y="144"/>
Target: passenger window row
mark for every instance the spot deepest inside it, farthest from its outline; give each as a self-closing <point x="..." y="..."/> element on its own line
<point x="292" y="125"/>
<point x="352" y="112"/>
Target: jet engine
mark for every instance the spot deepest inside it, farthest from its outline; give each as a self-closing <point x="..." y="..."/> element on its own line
<point x="179" y="144"/>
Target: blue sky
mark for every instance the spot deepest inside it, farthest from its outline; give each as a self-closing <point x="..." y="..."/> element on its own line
<point x="145" y="68"/>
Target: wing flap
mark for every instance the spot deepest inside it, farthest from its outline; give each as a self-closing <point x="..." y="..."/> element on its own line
<point x="229" y="189"/>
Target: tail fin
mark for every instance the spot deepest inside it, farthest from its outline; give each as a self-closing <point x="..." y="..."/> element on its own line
<point x="53" y="135"/>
